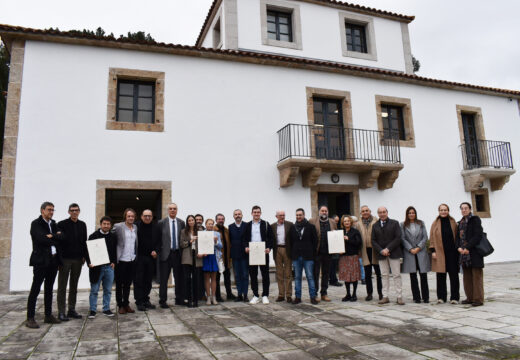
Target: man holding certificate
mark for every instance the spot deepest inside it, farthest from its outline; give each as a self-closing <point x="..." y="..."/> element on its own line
<point x="323" y="225"/>
<point x="258" y="242"/>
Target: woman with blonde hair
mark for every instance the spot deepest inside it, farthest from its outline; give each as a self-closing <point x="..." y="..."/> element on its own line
<point x="210" y="265"/>
<point x="444" y="254"/>
<point x="349" y="270"/>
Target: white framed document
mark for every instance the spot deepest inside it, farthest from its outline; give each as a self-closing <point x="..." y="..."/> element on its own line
<point x="257" y="253"/>
<point x="206" y="241"/>
<point x="97" y="252"/>
<point x="336" y="242"/>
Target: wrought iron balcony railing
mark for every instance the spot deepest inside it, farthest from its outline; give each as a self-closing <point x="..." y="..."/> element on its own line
<point x="338" y="143"/>
<point x="487" y="154"/>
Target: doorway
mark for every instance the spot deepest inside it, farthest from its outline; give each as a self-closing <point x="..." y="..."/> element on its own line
<point x="471" y="141"/>
<point x="116" y="201"/>
<point x="329" y="134"/>
<point x="339" y="203"/>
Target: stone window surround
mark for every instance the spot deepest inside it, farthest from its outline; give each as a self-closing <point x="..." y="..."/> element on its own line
<point x="479" y="121"/>
<point x="218" y="21"/>
<point x="279" y="5"/>
<point x="114" y="74"/>
<point x="406" y="104"/>
<point x="346" y="108"/>
<point x="487" y="212"/>
<point x="354" y="199"/>
<point x="368" y="23"/>
<point x="103" y="185"/>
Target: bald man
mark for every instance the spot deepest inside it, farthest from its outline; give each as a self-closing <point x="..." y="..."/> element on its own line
<point x="386" y="241"/>
<point x="282" y="256"/>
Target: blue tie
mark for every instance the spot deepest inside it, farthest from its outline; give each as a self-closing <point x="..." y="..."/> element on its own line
<point x="174" y="243"/>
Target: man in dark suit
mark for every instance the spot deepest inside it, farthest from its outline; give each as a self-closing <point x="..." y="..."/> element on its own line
<point x="73" y="251"/>
<point x="282" y="256"/>
<point x="386" y="241"/>
<point x="239" y="257"/>
<point x="45" y="260"/>
<point x="259" y="230"/>
<point x="226" y="258"/>
<point x="170" y="256"/>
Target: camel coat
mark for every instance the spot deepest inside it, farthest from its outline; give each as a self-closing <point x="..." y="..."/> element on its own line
<point x="439" y="264"/>
<point x="366" y="236"/>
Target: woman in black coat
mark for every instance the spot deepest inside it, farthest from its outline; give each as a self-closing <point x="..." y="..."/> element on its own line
<point x="469" y="235"/>
<point x="349" y="270"/>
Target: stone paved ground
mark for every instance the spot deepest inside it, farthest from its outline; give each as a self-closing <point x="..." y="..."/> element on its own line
<point x="336" y="330"/>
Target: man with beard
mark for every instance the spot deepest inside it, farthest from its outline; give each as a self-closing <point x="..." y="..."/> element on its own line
<point x="238" y="256"/>
<point x="226" y="258"/>
<point x="368" y="253"/>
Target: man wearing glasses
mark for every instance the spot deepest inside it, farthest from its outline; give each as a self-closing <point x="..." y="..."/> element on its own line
<point x="72" y="256"/>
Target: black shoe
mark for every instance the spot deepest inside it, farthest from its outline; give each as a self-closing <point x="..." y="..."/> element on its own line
<point x="149" y="305"/>
<point x="219" y="299"/>
<point x="108" y="313"/>
<point x="298" y="300"/>
<point x="91" y="314"/>
<point x="50" y="319"/>
<point x="353" y="298"/>
<point x="164" y="306"/>
<point x="417" y="301"/>
<point x="380" y="296"/>
<point x="466" y="302"/>
<point x="477" y="303"/>
<point x="369" y="297"/>
<point x="239" y="298"/>
<point x="314" y="301"/>
<point x="63" y="317"/>
<point x="346" y="298"/>
<point x="246" y="300"/>
<point x="190" y="304"/>
<point x="337" y="283"/>
<point x="230" y="296"/>
<point x="141" y="307"/>
<point x="32" y="324"/>
<point x="363" y="282"/>
<point x="73" y="314"/>
<point x="426" y="301"/>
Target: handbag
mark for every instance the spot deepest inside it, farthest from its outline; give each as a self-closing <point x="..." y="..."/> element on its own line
<point x="484" y="247"/>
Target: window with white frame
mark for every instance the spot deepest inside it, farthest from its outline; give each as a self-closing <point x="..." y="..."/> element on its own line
<point x="357" y="36"/>
<point x="280" y="24"/>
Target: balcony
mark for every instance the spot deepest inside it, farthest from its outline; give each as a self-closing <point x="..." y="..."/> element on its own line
<point x="313" y="149"/>
<point x="486" y="159"/>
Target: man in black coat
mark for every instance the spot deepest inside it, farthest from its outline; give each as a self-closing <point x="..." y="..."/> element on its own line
<point x="72" y="252"/>
<point x="303" y="240"/>
<point x="149" y="235"/>
<point x="259" y="230"/>
<point x="386" y="240"/>
<point x="45" y="260"/>
<point x="102" y="273"/>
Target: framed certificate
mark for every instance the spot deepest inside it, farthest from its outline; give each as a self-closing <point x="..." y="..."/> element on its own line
<point x="206" y="242"/>
<point x="97" y="251"/>
<point x="336" y="242"/>
<point x="257" y="253"/>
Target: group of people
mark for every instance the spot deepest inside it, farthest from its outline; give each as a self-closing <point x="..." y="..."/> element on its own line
<point x="134" y="247"/>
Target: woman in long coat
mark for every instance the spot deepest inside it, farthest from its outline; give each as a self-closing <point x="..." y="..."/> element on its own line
<point x="415" y="254"/>
<point x="445" y="258"/>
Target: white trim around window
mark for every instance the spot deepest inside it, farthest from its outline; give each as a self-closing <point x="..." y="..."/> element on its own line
<point x="289" y="8"/>
<point x="368" y="23"/>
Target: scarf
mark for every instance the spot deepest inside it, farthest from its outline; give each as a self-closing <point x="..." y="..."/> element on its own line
<point x="465" y="259"/>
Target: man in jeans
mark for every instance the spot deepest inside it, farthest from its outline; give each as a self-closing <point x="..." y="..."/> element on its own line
<point x="73" y="252"/>
<point x="303" y="240"/>
<point x="102" y="273"/>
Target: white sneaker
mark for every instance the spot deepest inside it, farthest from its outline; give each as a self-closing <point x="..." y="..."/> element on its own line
<point x="265" y="300"/>
<point x="454" y="302"/>
<point x="440" y="301"/>
<point x="254" y="300"/>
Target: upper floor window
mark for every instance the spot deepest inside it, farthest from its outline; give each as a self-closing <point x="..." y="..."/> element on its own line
<point x="135" y="101"/>
<point x="279" y="25"/>
<point x="356" y="38"/>
<point x="393" y="122"/>
<point x="394" y="119"/>
<point x="217" y="40"/>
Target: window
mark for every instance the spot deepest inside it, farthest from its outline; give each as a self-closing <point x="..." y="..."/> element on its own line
<point x="480" y="203"/>
<point x="393" y="123"/>
<point x="135" y="101"/>
<point x="356" y="38"/>
<point x="394" y="117"/>
<point x="279" y="26"/>
<point x="217" y="42"/>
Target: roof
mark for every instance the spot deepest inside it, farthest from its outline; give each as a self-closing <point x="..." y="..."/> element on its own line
<point x="333" y="3"/>
<point x="9" y="33"/>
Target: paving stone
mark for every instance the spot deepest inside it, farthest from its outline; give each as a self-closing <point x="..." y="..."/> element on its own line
<point x="245" y="355"/>
<point x="320" y="347"/>
<point x="371" y="330"/>
<point x="479" y="323"/>
<point x="481" y="334"/>
<point x="387" y="351"/>
<point x="290" y="332"/>
<point x="340" y="335"/>
<point x="142" y="350"/>
<point x="98" y="357"/>
<point x="184" y="347"/>
<point x="438" y="324"/>
<point x="25" y="336"/>
<point x="260" y="339"/>
<point x="231" y="320"/>
<point x="510" y="320"/>
<point x="481" y="315"/>
<point x="226" y="344"/>
<point x="15" y="351"/>
<point x="52" y="356"/>
<point x="513" y="330"/>
<point x="97" y="347"/>
<point x="289" y="355"/>
<point x="51" y="344"/>
<point x="400" y="315"/>
<point x="171" y="329"/>
<point x="445" y="354"/>
<point x="137" y="336"/>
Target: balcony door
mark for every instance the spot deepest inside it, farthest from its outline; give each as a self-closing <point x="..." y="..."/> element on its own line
<point x="329" y="135"/>
<point x="470" y="140"/>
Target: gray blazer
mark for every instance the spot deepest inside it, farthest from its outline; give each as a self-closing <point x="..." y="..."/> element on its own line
<point x="119" y="229"/>
<point x="409" y="241"/>
<point x="166" y="237"/>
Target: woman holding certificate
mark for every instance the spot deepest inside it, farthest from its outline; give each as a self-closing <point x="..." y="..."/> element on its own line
<point x="210" y="265"/>
<point x="191" y="260"/>
<point x="349" y="270"/>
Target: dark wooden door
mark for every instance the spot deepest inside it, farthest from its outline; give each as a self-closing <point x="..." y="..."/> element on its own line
<point x="330" y="139"/>
<point x="470" y="141"/>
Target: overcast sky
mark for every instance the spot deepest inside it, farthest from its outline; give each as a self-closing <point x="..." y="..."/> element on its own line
<point x="471" y="41"/>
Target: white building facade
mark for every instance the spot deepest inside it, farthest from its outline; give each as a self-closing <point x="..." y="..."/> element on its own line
<point x="106" y="123"/>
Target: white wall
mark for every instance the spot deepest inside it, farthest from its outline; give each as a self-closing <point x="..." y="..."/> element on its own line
<point x="321" y="35"/>
<point x="219" y="146"/>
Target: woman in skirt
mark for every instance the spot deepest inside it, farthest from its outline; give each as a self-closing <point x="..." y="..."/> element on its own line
<point x="210" y="266"/>
<point x="349" y="270"/>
